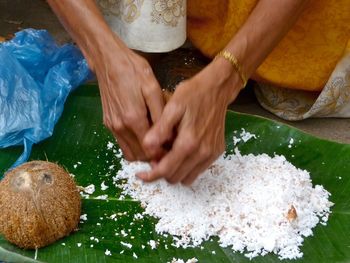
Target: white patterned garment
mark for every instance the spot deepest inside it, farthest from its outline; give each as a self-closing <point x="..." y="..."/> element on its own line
<point x="147" y="25"/>
<point x="293" y="105"/>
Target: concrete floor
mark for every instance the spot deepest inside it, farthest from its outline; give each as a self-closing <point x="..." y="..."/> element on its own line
<point x="19" y="14"/>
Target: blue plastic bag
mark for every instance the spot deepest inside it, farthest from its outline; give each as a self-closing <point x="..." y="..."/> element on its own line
<point x="36" y="77"/>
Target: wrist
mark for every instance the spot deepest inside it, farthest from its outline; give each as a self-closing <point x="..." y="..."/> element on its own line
<point x="86" y="25"/>
<point x="94" y="37"/>
<point x="228" y="79"/>
<point x="101" y="48"/>
<point x="236" y="65"/>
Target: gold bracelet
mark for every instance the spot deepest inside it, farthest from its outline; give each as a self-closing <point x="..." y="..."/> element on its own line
<point x="234" y="61"/>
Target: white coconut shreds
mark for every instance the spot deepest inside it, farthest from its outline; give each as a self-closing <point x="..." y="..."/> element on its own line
<point x="254" y="204"/>
<point x="243" y="136"/>
<point x="175" y="260"/>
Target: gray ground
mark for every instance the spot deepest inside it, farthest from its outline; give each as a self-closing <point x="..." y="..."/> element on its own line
<point x="18" y="14"/>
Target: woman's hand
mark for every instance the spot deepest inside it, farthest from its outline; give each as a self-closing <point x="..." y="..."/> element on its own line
<point x="129" y="91"/>
<point x="197" y="110"/>
<point x="130" y="94"/>
<point x="196" y="115"/>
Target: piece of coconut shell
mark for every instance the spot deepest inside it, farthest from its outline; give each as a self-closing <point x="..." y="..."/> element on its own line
<point x="39" y="204"/>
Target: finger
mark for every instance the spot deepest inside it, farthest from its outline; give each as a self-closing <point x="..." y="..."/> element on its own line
<point x="193" y="175"/>
<point x="162" y="131"/>
<point x="183" y="147"/>
<point x="128" y="155"/>
<point x="135" y="146"/>
<point x="200" y="157"/>
<point x="162" y="152"/>
<point x="183" y="171"/>
<point x="165" y="168"/>
<point x="134" y="127"/>
<point x="137" y="123"/>
<point x="154" y="99"/>
<point x="118" y="130"/>
<point x="129" y="141"/>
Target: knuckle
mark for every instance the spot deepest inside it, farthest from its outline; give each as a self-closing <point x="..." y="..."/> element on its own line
<point x="151" y="89"/>
<point x="117" y="127"/>
<point x="189" y="143"/>
<point x="154" y="87"/>
<point x="205" y="152"/>
<point x="145" y="67"/>
<point x="192" y="145"/>
<point x="131" y="119"/>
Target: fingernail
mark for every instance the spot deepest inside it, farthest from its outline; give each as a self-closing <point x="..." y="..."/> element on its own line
<point x="151" y="140"/>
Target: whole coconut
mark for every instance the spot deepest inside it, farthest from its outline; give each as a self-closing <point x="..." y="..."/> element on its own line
<point x="39" y="204"/>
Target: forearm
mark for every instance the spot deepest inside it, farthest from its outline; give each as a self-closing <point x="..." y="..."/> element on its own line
<point x="266" y="26"/>
<point x="84" y="22"/>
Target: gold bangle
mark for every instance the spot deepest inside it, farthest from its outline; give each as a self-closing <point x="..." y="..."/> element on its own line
<point x="234" y="61"/>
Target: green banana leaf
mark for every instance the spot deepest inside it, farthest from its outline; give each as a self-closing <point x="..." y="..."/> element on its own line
<point x="81" y="137"/>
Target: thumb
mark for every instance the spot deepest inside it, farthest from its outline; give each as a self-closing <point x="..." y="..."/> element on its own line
<point x="162" y="130"/>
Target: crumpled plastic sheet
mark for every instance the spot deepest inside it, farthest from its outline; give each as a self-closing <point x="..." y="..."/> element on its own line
<point x="36" y="77"/>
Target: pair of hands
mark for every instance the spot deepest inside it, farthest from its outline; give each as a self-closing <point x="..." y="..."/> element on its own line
<point x="192" y="121"/>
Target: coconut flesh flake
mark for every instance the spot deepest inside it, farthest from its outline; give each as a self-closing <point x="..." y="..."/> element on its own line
<point x="176" y="260"/>
<point x="253" y="204"/>
<point x="243" y="136"/>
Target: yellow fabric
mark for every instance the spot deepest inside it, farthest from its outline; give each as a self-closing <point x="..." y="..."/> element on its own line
<point x="304" y="59"/>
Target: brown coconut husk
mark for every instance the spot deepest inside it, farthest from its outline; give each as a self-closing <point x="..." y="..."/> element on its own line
<point x="39" y="204"/>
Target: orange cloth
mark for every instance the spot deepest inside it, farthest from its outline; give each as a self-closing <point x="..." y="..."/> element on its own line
<point x="304" y="59"/>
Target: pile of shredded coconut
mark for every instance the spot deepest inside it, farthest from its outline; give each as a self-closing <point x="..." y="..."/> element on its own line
<point x="253" y="204"/>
